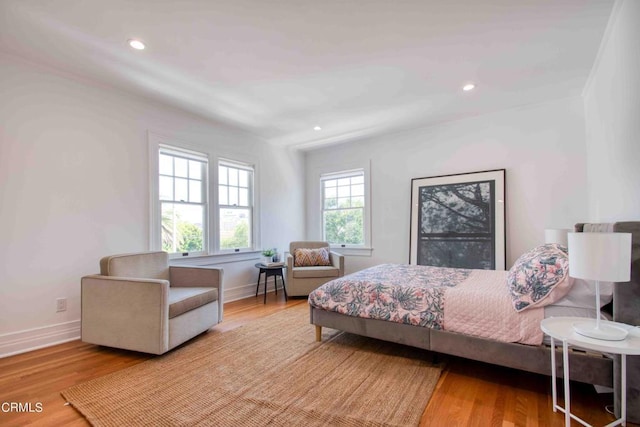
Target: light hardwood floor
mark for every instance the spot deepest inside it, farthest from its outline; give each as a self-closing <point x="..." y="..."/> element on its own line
<point x="468" y="393"/>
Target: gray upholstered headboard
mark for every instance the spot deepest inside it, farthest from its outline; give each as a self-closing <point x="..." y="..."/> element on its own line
<point x="626" y="296"/>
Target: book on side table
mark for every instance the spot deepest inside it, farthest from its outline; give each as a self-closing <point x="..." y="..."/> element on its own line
<point x="273" y="264"/>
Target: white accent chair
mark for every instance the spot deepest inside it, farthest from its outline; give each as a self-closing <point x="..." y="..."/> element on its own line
<point x="138" y="302"/>
<point x="302" y="280"/>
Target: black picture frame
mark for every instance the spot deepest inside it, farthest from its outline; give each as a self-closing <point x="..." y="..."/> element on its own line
<point x="458" y="220"/>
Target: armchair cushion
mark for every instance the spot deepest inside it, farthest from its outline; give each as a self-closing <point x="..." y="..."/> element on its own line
<point x="182" y="300"/>
<point x="304" y="257"/>
<point x="319" y="271"/>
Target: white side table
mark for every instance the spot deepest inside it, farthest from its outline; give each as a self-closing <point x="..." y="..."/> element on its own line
<point x="561" y="328"/>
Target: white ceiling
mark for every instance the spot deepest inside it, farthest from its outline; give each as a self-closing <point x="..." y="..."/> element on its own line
<point x="357" y="68"/>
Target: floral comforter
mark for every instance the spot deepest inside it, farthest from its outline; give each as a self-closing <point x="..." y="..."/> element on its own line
<point x="411" y="294"/>
<point x="473" y="302"/>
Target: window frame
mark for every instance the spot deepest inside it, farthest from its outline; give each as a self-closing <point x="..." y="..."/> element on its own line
<point x="214" y="155"/>
<point x="179" y="152"/>
<point x="346" y="248"/>
<point x="240" y="165"/>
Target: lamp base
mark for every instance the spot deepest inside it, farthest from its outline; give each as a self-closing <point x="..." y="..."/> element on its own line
<point x="608" y="331"/>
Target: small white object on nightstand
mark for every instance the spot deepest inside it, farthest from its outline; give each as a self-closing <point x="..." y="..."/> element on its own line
<point x="562" y="328"/>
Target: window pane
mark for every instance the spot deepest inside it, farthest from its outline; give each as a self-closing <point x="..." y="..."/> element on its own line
<point x="243" y="178"/>
<point x="195" y="191"/>
<point x="182" y="191"/>
<point x="235" y="228"/>
<point x="223" y="195"/>
<point x="222" y="175"/>
<point x="357" y="179"/>
<point x="233" y="176"/>
<point x="182" y="228"/>
<point x="181" y="166"/>
<point x="357" y="202"/>
<point x="244" y="197"/>
<point x="357" y="190"/>
<point x="166" y="188"/>
<point x="344" y="226"/>
<point x="344" y="202"/>
<point x="344" y="191"/>
<point x="330" y="203"/>
<point x="344" y="181"/>
<point x="233" y="196"/>
<point x="330" y="183"/>
<point x="330" y="192"/>
<point x="195" y="169"/>
<point x="166" y="164"/>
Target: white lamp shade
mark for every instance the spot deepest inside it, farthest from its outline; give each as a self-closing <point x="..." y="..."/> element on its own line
<point x="556" y="235"/>
<point x="600" y="256"/>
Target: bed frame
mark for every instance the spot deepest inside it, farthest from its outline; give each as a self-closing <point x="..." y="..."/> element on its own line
<point x="584" y="367"/>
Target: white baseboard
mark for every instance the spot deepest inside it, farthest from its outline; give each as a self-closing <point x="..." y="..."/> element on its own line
<point x="33" y="339"/>
<point x="46" y="336"/>
<point x="249" y="290"/>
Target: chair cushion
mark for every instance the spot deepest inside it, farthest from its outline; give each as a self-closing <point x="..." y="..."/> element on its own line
<point x="303" y="257"/>
<point x="182" y="300"/>
<point x="321" y="271"/>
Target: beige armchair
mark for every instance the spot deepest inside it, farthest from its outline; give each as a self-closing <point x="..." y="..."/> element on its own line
<point x="138" y="302"/>
<point x="302" y="280"/>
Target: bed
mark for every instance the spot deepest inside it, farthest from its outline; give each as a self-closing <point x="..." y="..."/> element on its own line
<point x="412" y="324"/>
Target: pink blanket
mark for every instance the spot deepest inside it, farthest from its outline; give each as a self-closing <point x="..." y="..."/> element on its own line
<point x="481" y="306"/>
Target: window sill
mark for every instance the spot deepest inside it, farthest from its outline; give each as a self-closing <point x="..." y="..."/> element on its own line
<point x="352" y="251"/>
<point x="211" y="259"/>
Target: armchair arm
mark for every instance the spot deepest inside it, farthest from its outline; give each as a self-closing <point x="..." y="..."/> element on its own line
<point x="337" y="260"/>
<point x="126" y="313"/>
<point x="201" y="277"/>
<point x="289" y="268"/>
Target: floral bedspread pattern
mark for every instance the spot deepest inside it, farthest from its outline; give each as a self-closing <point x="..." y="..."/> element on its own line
<point x="410" y="294"/>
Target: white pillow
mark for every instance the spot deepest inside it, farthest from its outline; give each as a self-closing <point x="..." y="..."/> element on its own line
<point x="583" y="294"/>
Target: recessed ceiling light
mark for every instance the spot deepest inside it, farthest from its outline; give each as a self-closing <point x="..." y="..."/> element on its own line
<point x="468" y="87"/>
<point x="317" y="128"/>
<point x="136" y="44"/>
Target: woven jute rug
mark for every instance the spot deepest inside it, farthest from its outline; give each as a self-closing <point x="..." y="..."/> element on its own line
<point x="268" y="372"/>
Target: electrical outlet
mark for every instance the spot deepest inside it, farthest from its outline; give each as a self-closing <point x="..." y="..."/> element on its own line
<point x="61" y="304"/>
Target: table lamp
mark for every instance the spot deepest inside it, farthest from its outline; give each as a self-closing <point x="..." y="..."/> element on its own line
<point x="600" y="257"/>
<point x="556" y="235"/>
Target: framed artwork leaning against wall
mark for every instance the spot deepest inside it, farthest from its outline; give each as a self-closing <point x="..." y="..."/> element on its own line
<point x="458" y="220"/>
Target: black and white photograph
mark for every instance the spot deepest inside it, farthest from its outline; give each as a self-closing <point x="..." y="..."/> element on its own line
<point x="458" y="221"/>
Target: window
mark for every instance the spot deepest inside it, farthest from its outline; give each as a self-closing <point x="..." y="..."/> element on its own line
<point x="182" y="197"/>
<point x="235" y="205"/>
<point x="343" y="208"/>
<point x="202" y="203"/>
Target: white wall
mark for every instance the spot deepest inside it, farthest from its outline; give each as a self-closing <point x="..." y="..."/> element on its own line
<point x="612" y="111"/>
<point x="75" y="187"/>
<point x="541" y="147"/>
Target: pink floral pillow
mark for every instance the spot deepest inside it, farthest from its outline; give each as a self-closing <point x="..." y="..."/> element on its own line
<point x="539" y="277"/>
<point x="311" y="257"/>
